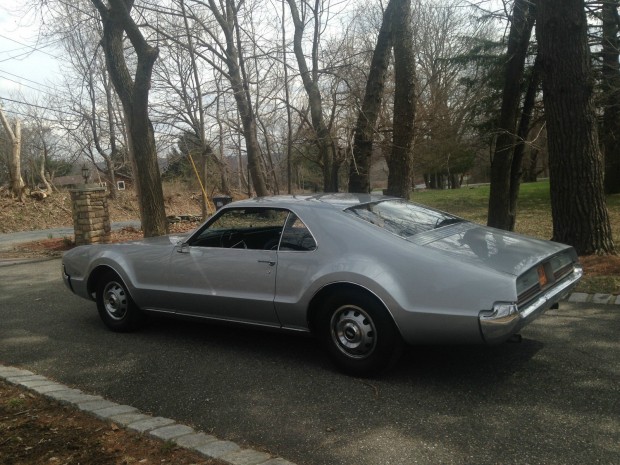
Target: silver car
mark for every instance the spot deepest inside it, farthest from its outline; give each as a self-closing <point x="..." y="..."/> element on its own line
<point x="365" y="273"/>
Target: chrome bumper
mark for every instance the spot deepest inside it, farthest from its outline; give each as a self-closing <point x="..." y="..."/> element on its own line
<point x="507" y="319"/>
<point x="66" y="279"/>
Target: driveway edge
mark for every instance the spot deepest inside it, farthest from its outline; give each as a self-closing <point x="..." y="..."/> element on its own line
<point x="164" y="429"/>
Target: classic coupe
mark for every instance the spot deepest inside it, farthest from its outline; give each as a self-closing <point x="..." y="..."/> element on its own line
<point x="366" y="274"/>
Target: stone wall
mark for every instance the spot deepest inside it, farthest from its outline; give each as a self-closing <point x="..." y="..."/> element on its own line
<point x="91" y="218"/>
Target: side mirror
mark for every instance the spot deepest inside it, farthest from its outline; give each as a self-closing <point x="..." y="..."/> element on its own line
<point x="183" y="247"/>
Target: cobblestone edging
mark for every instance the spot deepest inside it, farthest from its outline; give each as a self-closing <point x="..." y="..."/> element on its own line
<point x="581" y="297"/>
<point x="129" y="417"/>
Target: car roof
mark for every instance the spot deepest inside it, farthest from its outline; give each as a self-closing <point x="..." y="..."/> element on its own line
<point x="339" y="201"/>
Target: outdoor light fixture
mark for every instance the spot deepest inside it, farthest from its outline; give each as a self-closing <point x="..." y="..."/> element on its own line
<point x="85" y="173"/>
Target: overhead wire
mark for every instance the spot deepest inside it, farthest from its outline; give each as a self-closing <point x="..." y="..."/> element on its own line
<point x="26" y="79"/>
<point x="39" y="106"/>
<point x="26" y="85"/>
<point x="32" y="47"/>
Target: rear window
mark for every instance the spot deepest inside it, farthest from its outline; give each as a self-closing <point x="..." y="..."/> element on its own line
<point x="402" y="218"/>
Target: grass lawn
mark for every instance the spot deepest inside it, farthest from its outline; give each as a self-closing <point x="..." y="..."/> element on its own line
<point x="533" y="219"/>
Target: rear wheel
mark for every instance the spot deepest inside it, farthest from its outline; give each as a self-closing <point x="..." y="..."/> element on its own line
<point x="358" y="333"/>
<point x="115" y="305"/>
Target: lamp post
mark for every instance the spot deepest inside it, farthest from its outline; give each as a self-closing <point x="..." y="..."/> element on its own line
<point x="85" y="173"/>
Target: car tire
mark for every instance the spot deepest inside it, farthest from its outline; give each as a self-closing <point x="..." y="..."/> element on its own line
<point x="115" y="305"/>
<point x="358" y="333"/>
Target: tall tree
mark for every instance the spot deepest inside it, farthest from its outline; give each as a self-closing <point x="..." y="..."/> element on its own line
<point x="225" y="46"/>
<point x="134" y="96"/>
<point x="516" y="169"/>
<point x="578" y="208"/>
<point x="310" y="79"/>
<point x="14" y="160"/>
<point x="500" y="213"/>
<point x="611" y="95"/>
<point x="359" y="170"/>
<point x="400" y="163"/>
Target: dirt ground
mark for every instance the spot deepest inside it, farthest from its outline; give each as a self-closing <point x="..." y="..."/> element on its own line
<point x="36" y="430"/>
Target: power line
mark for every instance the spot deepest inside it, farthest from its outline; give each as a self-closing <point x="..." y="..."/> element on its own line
<point x="25" y="115"/>
<point x="33" y="48"/>
<point x="26" y="79"/>
<point x="40" y="106"/>
<point x="25" y="85"/>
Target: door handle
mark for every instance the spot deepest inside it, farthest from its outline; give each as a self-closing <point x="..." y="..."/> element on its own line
<point x="269" y="262"/>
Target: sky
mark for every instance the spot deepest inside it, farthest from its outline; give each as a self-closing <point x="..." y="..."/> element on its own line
<point x="27" y="68"/>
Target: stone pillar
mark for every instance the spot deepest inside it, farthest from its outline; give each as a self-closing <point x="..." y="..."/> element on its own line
<point x="91" y="219"/>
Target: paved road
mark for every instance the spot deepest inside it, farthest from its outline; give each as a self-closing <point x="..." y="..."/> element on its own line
<point x="7" y="241"/>
<point x="553" y="399"/>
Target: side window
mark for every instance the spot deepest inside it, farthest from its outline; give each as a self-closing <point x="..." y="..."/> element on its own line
<point x="243" y="228"/>
<point x="296" y="236"/>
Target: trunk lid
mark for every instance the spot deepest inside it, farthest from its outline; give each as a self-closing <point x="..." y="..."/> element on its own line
<point x="489" y="247"/>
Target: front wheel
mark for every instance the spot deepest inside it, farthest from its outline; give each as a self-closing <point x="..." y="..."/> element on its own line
<point x="358" y="333"/>
<point x="115" y="306"/>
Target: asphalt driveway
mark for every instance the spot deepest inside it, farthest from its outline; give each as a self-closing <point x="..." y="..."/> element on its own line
<point x="552" y="399"/>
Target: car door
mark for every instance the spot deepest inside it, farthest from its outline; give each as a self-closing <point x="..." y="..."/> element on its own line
<point x="227" y="270"/>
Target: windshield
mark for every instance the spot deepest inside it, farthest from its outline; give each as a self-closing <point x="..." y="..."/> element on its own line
<point x="402" y="218"/>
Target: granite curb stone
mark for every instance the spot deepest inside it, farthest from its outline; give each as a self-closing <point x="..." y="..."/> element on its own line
<point x="94" y="405"/>
<point x="125" y="419"/>
<point x="172" y="431"/>
<point x="165" y="429"/>
<point x="116" y="409"/>
<point x="598" y="298"/>
<point x="193" y="441"/>
<point x="150" y="423"/>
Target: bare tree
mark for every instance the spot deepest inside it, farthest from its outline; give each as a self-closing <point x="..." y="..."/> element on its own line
<point x="359" y="170"/>
<point x="454" y="75"/>
<point x="500" y="214"/>
<point x="14" y="161"/>
<point x="134" y="95"/>
<point x="310" y="79"/>
<point x="400" y="163"/>
<point x="184" y="98"/>
<point x="222" y="49"/>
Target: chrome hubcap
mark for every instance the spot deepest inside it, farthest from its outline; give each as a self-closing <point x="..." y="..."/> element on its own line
<point x="353" y="331"/>
<point x="115" y="300"/>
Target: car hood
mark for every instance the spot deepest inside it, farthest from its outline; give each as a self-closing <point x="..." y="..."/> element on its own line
<point x="160" y="240"/>
<point x="493" y="248"/>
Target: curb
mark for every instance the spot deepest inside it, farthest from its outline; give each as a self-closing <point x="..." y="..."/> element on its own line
<point x="581" y="297"/>
<point x="165" y="429"/>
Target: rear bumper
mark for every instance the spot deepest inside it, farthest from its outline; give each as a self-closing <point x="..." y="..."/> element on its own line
<point x="507" y="319"/>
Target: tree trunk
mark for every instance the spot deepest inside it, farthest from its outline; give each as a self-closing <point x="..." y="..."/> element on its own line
<point x="15" y="171"/>
<point x="134" y="96"/>
<point x="48" y="186"/>
<point x="289" y="116"/>
<point x="578" y="208"/>
<point x="516" y="170"/>
<point x="359" y="170"/>
<point x="400" y="163"/>
<point x="518" y="42"/>
<point x="611" y="96"/>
